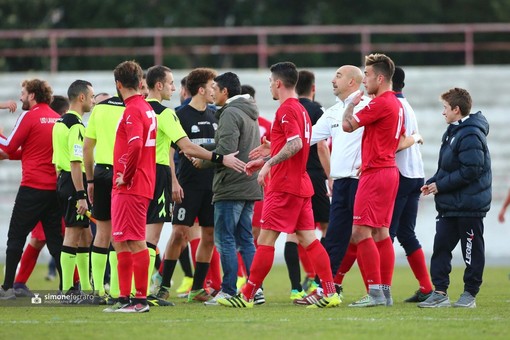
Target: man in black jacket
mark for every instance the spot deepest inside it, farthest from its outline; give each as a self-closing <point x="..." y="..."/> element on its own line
<point x="462" y="187"/>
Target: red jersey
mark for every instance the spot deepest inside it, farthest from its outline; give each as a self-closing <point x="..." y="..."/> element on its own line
<point x="265" y="128"/>
<point x="290" y="176"/>
<point x="383" y="119"/>
<point x="33" y="133"/>
<point x="134" y="153"/>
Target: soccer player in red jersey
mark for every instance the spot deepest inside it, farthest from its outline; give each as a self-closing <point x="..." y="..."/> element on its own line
<point x="378" y="183"/>
<point x="36" y="200"/>
<point x="288" y="193"/>
<point x="134" y="171"/>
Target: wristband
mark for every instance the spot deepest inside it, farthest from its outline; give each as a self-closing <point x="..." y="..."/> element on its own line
<point x="90" y="181"/>
<point x="81" y="195"/>
<point x="217" y="158"/>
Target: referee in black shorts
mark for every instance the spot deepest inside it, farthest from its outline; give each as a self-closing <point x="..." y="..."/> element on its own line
<point x="68" y="137"/>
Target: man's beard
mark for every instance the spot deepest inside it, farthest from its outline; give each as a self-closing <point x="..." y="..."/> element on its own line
<point x="25" y="106"/>
<point x="119" y="95"/>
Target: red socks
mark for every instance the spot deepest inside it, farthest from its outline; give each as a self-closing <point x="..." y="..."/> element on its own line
<point x="129" y="264"/>
<point x="241" y="269"/>
<point x="214" y="273"/>
<point x="262" y="263"/>
<point x="141" y="272"/>
<point x="369" y="261"/>
<point x="346" y="264"/>
<point x="419" y="267"/>
<point x="318" y="254"/>
<point x="305" y="261"/>
<point x="125" y="272"/>
<point x="27" y="263"/>
<point x="387" y="258"/>
<point x="194" y="246"/>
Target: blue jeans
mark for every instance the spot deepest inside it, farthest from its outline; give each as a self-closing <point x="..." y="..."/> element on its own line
<point x="232" y="233"/>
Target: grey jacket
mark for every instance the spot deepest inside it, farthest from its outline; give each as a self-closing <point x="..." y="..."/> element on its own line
<point x="238" y="130"/>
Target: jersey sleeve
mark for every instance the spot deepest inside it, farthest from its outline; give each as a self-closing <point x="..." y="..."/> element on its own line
<point x="75" y="143"/>
<point x="289" y="124"/>
<point x="369" y="113"/>
<point x="19" y="134"/>
<point x="171" y="126"/>
<point x="321" y="130"/>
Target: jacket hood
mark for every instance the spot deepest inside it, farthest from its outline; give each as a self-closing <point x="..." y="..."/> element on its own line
<point x="477" y="120"/>
<point x="244" y="103"/>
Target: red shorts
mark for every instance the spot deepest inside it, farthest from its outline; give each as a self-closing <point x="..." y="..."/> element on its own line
<point x="257" y="213"/>
<point x="287" y="213"/>
<point x="375" y="197"/>
<point x="38" y="231"/>
<point x="129" y="215"/>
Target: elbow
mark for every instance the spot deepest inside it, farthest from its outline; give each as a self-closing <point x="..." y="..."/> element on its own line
<point x="346" y="126"/>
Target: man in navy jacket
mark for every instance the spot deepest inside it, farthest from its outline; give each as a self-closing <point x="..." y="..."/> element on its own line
<point x="462" y="186"/>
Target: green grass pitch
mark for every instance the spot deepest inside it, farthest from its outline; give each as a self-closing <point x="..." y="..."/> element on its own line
<point x="278" y="318"/>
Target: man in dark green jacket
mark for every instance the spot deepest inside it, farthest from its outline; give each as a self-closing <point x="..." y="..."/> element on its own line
<point x="234" y="193"/>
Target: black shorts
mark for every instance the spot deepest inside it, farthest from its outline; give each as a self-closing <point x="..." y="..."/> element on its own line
<point x="196" y="203"/>
<point x="67" y="199"/>
<point x="160" y="207"/>
<point x="103" y="183"/>
<point x="320" y="200"/>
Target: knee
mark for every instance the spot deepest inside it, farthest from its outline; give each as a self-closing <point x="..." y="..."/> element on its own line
<point x="179" y="237"/>
<point x="15" y="244"/>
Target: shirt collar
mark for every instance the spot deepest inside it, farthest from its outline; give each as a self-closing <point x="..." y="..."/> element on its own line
<point x="462" y="120"/>
<point x="349" y="98"/>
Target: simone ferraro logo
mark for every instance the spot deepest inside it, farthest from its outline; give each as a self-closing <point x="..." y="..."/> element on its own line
<point x="59" y="298"/>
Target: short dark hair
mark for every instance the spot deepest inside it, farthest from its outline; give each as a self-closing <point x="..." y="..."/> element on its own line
<point x="458" y="97"/>
<point x="248" y="89"/>
<point x="60" y="104"/>
<point x="287" y="72"/>
<point x="40" y="88"/>
<point x="76" y="88"/>
<point x="129" y="74"/>
<point x="183" y="81"/>
<point x="230" y="81"/>
<point x="156" y="74"/>
<point x="398" y="79"/>
<point x="382" y="64"/>
<point x="305" y="82"/>
<point x="198" y="78"/>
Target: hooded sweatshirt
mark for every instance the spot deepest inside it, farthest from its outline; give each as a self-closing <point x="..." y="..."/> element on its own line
<point x="238" y="130"/>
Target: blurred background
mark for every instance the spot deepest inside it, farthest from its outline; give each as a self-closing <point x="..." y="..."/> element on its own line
<point x="440" y="44"/>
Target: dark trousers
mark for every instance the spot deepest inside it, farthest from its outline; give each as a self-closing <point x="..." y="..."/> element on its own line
<point x="449" y="230"/>
<point x="340" y="220"/>
<point x="403" y="221"/>
<point x="31" y="206"/>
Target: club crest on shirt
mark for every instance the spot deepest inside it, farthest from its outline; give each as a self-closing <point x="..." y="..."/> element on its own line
<point x="195" y="129"/>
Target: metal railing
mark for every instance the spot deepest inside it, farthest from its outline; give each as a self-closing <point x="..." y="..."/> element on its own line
<point x="263" y="47"/>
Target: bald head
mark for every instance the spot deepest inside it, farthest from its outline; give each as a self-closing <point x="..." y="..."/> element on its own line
<point x="353" y="73"/>
<point x="347" y="80"/>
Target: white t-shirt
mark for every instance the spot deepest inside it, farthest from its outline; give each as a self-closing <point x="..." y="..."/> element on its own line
<point x="409" y="161"/>
<point x="346" y="147"/>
